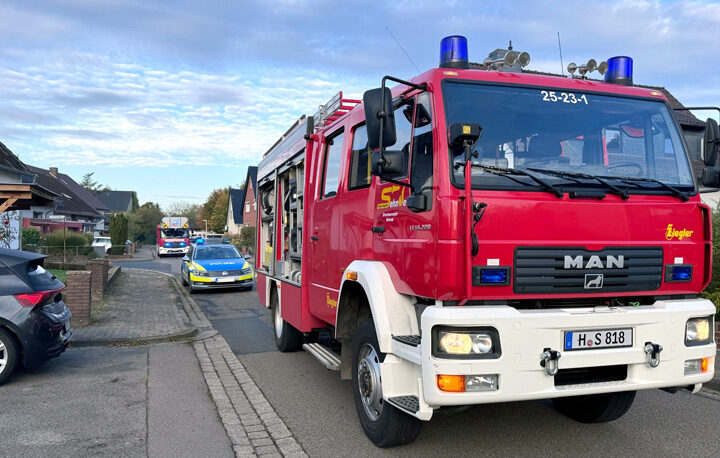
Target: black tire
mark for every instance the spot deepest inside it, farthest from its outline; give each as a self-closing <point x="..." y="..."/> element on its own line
<point x="287" y="338"/>
<point x="393" y="426"/>
<point x="8" y="351"/>
<point x="190" y="288"/>
<point x="595" y="408"/>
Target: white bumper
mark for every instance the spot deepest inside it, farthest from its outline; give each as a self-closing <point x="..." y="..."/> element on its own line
<point x="524" y="334"/>
<point x="176" y="250"/>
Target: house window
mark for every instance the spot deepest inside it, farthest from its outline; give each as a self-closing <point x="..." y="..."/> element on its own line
<point x="247" y="207"/>
<point x="254" y="205"/>
<point x="37" y="215"/>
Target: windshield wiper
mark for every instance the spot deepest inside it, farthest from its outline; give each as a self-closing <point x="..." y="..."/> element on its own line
<point x="615" y="190"/>
<point x="674" y="191"/>
<point x="505" y="172"/>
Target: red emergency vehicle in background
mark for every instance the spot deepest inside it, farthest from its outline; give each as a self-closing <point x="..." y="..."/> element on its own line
<point x="173" y="235"/>
<point x="485" y="235"/>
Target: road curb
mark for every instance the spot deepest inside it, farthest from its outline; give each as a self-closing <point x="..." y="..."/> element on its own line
<point x="136" y="341"/>
<point x="251" y="423"/>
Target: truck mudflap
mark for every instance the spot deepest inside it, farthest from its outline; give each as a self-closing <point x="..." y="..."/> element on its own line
<point x="532" y="361"/>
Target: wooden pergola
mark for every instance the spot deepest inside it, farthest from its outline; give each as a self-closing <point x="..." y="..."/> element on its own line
<point x="15" y="196"/>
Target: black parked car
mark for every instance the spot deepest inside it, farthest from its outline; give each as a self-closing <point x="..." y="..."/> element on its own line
<point x="34" y="321"/>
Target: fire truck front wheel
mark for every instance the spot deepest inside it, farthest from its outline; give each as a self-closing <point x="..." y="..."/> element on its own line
<point x="384" y="425"/>
<point x="287" y="338"/>
<point x="595" y="408"/>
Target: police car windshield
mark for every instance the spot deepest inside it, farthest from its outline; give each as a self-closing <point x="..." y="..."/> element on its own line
<point x="216" y="252"/>
<point x="535" y="128"/>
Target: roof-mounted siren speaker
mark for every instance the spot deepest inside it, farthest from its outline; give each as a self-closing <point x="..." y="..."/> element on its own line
<point x="454" y="52"/>
<point x="620" y="70"/>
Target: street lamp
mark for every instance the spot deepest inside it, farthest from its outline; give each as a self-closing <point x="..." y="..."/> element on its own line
<point x="205" y="221"/>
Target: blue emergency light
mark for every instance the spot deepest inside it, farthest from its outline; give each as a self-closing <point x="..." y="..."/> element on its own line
<point x="682" y="273"/>
<point x="493" y="276"/>
<point x="199" y="241"/>
<point x="454" y="52"/>
<point x="620" y="70"/>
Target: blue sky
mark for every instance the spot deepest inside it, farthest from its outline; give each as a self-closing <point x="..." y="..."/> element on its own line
<point x="143" y="91"/>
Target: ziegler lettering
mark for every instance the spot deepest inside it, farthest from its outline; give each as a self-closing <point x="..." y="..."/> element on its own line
<point x="671" y="233"/>
<point x="595" y="262"/>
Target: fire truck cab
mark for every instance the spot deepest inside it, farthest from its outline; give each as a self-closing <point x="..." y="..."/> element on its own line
<point x="479" y="236"/>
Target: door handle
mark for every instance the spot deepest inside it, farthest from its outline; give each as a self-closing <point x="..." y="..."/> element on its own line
<point x="378" y="229"/>
<point x="314" y="238"/>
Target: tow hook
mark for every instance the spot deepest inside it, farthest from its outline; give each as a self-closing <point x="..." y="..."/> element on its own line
<point x="652" y="350"/>
<point x="549" y="360"/>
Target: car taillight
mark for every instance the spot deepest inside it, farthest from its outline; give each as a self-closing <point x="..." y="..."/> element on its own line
<point x="161" y="242"/>
<point x="33" y="299"/>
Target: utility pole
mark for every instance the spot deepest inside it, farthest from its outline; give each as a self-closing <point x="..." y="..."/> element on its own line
<point x="205" y="221"/>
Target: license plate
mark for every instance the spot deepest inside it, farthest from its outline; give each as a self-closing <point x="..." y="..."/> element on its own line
<point x="224" y="279"/>
<point x="598" y="338"/>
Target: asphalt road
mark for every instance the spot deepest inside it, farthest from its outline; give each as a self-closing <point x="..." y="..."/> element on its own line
<point x="319" y="408"/>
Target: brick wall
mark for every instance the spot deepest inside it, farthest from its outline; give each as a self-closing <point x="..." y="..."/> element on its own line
<point x="77" y="295"/>
<point x="99" y="269"/>
<point x="249" y="217"/>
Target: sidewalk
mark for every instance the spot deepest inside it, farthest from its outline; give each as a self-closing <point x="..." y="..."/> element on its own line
<point x="141" y="307"/>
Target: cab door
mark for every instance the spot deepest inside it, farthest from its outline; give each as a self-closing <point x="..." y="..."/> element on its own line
<point x="404" y="238"/>
<point x="326" y="234"/>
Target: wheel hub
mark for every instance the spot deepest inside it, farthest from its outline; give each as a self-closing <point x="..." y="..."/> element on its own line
<point x="3" y="356"/>
<point x="370" y="382"/>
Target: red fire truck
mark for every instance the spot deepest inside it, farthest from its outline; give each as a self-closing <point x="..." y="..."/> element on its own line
<point x="485" y="235"/>
<point x="173" y="236"/>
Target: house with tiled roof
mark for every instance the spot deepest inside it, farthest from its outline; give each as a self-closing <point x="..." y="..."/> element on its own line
<point x="81" y="211"/>
<point x="242" y="204"/>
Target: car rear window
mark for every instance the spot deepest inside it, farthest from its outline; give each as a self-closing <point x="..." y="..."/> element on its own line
<point x="41" y="279"/>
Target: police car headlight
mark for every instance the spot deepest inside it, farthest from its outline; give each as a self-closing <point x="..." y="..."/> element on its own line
<point x="199" y="273"/>
<point x="246" y="270"/>
<point x="697" y="331"/>
<point x="472" y="343"/>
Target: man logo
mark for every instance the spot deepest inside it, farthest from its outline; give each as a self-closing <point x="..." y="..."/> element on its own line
<point x="595" y="262"/>
<point x="593" y="281"/>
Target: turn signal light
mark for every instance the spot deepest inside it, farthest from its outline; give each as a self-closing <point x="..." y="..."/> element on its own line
<point x="704" y="364"/>
<point x="351" y="275"/>
<point x="451" y="383"/>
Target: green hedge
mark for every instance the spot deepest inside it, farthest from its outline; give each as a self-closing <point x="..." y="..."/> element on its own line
<point x="73" y="242"/>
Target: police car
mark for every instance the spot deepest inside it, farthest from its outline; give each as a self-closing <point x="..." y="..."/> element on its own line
<point x="215" y="266"/>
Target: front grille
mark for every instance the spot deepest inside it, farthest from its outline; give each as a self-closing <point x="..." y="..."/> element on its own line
<point x="219" y="273"/>
<point x="541" y="270"/>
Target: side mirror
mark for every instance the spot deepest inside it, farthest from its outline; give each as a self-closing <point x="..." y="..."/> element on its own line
<point x="711" y="177"/>
<point x="711" y="143"/>
<point x="393" y="166"/>
<point x="186" y="259"/>
<point x="247" y="256"/>
<point x="373" y="104"/>
<point x="417" y="203"/>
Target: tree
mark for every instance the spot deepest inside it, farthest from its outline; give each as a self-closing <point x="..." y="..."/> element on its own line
<point x="30" y="238"/>
<point x="143" y="222"/>
<point x="247" y="238"/>
<point x="214" y="210"/>
<point x="118" y="232"/>
<point x="92" y="185"/>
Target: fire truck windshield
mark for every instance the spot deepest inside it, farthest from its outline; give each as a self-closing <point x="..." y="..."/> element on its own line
<point x="174" y="233"/>
<point x="565" y="131"/>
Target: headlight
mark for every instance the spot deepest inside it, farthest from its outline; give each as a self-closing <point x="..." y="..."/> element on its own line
<point x="472" y="343"/>
<point x="697" y="331"/>
<point x="199" y="273"/>
<point x="246" y="270"/>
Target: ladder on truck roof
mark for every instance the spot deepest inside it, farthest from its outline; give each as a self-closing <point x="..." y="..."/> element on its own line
<point x="334" y="109"/>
